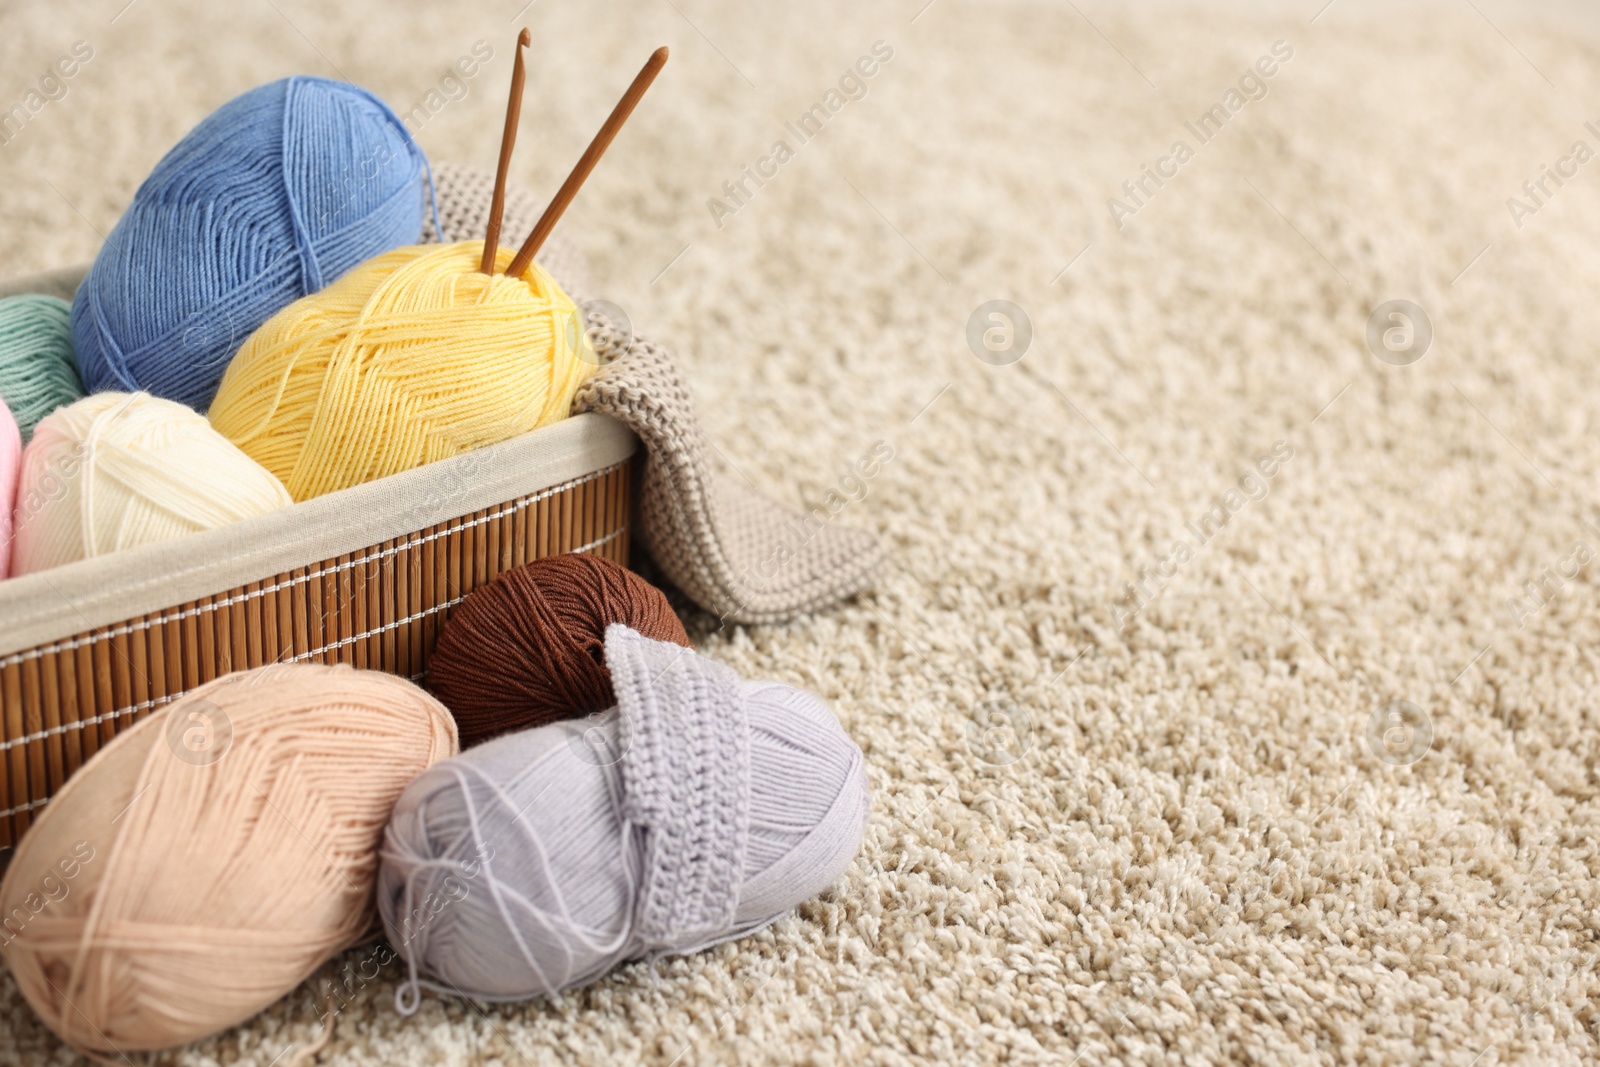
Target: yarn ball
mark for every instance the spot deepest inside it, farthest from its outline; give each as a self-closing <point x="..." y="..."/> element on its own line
<point x="10" y="466"/>
<point x="529" y="647"/>
<point x="272" y="196"/>
<point x="415" y="356"/>
<point x="37" y="371"/>
<point x="117" y="470"/>
<point x="700" y="809"/>
<point x="211" y="857"/>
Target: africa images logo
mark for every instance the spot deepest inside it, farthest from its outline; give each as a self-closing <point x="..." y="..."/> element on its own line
<point x="1253" y="487"/>
<point x="1251" y="86"/>
<point x="852" y="86"/>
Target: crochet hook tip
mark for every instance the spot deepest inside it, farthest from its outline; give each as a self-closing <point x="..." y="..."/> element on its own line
<point x="508" y="139"/>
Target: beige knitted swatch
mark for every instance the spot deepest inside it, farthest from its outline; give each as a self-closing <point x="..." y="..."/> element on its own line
<point x="731" y="549"/>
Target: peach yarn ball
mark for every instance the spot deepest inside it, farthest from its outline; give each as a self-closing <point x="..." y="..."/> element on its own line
<point x="10" y="468"/>
<point x="212" y="856"/>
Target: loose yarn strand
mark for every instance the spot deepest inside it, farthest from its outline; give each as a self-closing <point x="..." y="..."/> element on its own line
<point x="310" y="269"/>
<point x="433" y="195"/>
<point x="308" y="1054"/>
<point x="569" y="929"/>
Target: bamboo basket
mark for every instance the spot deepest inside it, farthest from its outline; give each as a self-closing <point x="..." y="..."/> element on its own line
<point x="364" y="576"/>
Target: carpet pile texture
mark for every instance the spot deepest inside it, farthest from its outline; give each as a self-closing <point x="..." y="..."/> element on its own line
<point x="1209" y="710"/>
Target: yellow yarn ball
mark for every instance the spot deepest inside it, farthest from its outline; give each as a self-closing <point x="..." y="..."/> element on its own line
<point x="412" y="357"/>
<point x="115" y="470"/>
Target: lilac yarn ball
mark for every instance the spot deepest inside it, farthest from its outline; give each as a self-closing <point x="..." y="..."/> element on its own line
<point x="699" y="809"/>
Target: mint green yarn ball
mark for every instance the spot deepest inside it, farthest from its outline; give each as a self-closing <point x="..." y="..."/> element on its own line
<point x="37" y="371"/>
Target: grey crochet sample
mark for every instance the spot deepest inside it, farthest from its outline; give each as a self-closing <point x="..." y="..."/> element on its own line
<point x="685" y="783"/>
<point x="699" y="809"/>
<point x="732" y="550"/>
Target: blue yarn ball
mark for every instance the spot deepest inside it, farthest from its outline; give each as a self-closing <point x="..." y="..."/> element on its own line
<point x="272" y="197"/>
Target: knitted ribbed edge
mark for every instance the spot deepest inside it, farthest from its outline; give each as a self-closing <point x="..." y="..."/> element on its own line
<point x="685" y="741"/>
<point x="733" y="551"/>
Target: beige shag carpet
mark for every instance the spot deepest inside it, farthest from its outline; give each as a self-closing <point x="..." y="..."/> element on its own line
<point x="1321" y="785"/>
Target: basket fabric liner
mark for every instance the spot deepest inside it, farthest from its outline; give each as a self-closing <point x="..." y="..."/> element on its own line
<point x="51" y="605"/>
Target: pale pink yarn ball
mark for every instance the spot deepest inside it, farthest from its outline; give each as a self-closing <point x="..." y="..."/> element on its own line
<point x="10" y="465"/>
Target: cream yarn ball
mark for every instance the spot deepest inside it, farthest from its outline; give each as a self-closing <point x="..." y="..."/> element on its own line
<point x="115" y="470"/>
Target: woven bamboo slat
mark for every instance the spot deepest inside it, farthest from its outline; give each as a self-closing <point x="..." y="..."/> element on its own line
<point x="379" y="608"/>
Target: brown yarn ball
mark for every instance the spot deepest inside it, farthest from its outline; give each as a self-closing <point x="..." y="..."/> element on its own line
<point x="529" y="647"/>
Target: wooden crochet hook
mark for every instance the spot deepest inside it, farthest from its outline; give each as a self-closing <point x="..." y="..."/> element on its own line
<point x="586" y="163"/>
<point x="508" y="141"/>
